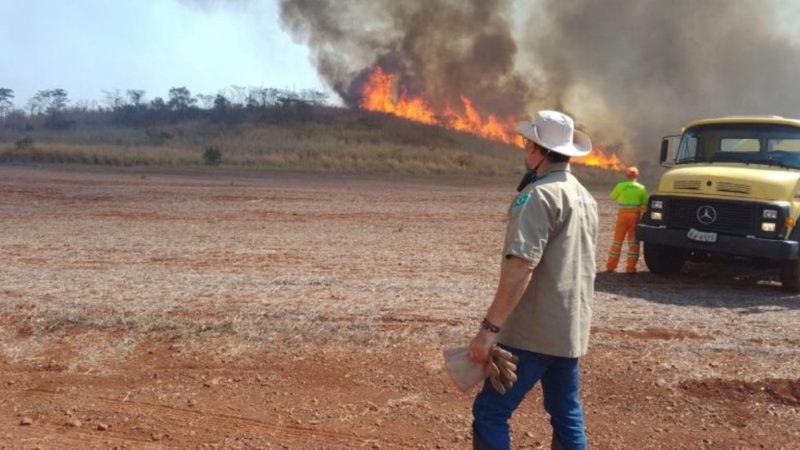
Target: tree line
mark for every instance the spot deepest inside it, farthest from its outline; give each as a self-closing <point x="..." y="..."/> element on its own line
<point x="52" y="108"/>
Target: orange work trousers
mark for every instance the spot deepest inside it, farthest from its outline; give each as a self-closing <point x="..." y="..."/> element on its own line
<point x="627" y="219"/>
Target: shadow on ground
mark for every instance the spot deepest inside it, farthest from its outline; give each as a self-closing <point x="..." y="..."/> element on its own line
<point x="707" y="285"/>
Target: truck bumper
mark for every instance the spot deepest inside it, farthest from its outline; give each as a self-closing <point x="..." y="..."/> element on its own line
<point x="732" y="245"/>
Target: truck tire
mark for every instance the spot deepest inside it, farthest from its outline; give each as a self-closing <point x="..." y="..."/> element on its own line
<point x="790" y="275"/>
<point x="663" y="259"/>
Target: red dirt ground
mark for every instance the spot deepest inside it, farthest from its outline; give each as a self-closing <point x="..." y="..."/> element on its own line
<point x="243" y="311"/>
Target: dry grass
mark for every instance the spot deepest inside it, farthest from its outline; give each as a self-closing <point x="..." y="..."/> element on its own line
<point x="337" y="141"/>
<point x="347" y="142"/>
<point x="102" y="154"/>
<point x="318" y="156"/>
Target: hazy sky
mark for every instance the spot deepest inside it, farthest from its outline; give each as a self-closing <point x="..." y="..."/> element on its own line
<point x="87" y="46"/>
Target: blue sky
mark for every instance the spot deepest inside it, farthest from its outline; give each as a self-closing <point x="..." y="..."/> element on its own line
<point x="87" y="46"/>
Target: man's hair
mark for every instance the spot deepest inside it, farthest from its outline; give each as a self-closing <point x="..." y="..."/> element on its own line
<point x="552" y="156"/>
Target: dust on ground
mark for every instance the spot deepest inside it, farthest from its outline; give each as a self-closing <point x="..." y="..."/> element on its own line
<point x="276" y="310"/>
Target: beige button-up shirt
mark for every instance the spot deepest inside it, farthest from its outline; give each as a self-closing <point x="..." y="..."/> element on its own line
<point x="553" y="224"/>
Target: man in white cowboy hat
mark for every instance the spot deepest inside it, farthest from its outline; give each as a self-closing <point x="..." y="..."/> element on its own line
<point x="542" y="308"/>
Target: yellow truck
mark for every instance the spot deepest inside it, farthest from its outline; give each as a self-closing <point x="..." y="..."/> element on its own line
<point x="733" y="191"/>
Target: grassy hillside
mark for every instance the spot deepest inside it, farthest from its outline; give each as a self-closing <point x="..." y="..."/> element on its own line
<point x="334" y="140"/>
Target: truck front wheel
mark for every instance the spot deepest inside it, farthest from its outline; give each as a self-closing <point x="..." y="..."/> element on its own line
<point x="663" y="259"/>
<point x="790" y="275"/>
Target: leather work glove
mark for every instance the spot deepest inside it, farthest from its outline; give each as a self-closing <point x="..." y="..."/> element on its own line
<point x="502" y="369"/>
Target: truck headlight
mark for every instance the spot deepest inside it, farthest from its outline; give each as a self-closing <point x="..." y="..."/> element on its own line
<point x="655" y="215"/>
<point x="770" y="214"/>
<point x="768" y="227"/>
<point x="657" y="204"/>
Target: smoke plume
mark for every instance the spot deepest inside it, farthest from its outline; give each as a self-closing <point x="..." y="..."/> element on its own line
<point x="628" y="70"/>
<point x="440" y="49"/>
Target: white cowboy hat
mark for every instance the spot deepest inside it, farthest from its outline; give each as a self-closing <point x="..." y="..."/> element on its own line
<point x="556" y="131"/>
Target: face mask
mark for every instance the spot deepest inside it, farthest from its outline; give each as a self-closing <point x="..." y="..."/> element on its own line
<point x="530" y="176"/>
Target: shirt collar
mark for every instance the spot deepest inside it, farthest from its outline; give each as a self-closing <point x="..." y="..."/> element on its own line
<point x="557" y="167"/>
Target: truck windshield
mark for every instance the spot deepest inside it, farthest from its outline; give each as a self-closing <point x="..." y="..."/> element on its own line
<point x="769" y="144"/>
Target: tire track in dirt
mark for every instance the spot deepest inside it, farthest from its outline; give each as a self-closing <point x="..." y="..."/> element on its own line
<point x="233" y="424"/>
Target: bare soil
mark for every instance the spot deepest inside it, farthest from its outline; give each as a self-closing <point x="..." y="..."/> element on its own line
<point x="275" y="310"/>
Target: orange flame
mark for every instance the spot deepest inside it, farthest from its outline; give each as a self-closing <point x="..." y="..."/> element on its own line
<point x="471" y="122"/>
<point x="377" y="95"/>
<point x="599" y="158"/>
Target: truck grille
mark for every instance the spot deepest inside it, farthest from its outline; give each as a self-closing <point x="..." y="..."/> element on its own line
<point x="731" y="217"/>
<point x="686" y="184"/>
<point x="733" y="188"/>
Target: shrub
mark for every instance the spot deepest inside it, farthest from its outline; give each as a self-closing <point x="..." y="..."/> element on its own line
<point x="465" y="160"/>
<point x="157" y="137"/>
<point x="212" y="156"/>
<point x="24" y="143"/>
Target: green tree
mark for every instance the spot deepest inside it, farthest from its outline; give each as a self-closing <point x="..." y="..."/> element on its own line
<point x="113" y="99"/>
<point x="136" y="96"/>
<point x="6" y="104"/>
<point x="158" y="104"/>
<point x="36" y="104"/>
<point x="314" y="97"/>
<point x="180" y="99"/>
<point x="50" y="101"/>
<point x="221" y="103"/>
<point x="206" y="101"/>
<point x="58" y="101"/>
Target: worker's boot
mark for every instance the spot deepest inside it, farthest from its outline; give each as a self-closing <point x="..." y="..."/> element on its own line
<point x="613" y="256"/>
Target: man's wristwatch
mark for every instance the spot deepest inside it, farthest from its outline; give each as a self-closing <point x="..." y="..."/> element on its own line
<point x="489" y="326"/>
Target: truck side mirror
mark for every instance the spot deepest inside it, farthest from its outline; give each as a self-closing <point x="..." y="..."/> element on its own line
<point x="669" y="149"/>
<point x="664" y="150"/>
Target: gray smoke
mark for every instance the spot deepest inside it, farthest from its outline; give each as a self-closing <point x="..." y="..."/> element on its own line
<point x="653" y="65"/>
<point x="629" y="70"/>
<point x="438" y="48"/>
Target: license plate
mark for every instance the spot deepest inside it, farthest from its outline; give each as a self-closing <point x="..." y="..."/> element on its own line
<point x="701" y="236"/>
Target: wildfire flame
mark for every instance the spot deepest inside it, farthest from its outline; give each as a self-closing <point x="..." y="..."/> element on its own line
<point x="599" y="158"/>
<point x="377" y="95"/>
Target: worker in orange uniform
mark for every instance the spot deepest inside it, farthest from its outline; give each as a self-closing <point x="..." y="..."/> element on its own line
<point x="632" y="198"/>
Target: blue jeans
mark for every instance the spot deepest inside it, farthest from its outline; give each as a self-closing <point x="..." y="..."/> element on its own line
<point x="560" y="386"/>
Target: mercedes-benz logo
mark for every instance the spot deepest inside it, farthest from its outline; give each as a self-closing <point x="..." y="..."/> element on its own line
<point x="706" y="215"/>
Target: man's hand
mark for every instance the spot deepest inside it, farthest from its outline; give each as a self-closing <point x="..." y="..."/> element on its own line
<point x="480" y="345"/>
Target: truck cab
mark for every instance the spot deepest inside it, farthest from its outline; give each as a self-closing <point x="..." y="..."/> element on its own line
<point x="733" y="191"/>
